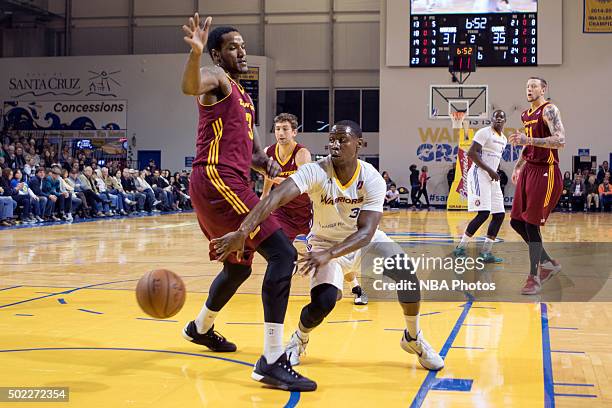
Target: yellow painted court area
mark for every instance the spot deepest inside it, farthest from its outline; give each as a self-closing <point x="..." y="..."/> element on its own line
<point x="68" y="317"/>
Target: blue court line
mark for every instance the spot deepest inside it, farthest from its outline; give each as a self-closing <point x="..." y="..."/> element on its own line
<point x="62" y="301"/>
<point x="247" y="323"/>
<point x="574" y="385"/>
<point x="294" y="398"/>
<point x="478" y="325"/>
<point x="23" y="314"/>
<point x="349" y="321"/>
<point x="577" y="395"/>
<point x="452" y="384"/>
<point x="563" y="328"/>
<point x="90" y="311"/>
<point x="549" y="389"/>
<point x="430" y="313"/>
<point x="10" y="287"/>
<point x="567" y="351"/>
<point x="66" y="292"/>
<point x="429" y="381"/>
<point x="157" y="320"/>
<point x="468" y="347"/>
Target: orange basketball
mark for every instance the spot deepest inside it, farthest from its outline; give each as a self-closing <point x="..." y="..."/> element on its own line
<point x="160" y="293"/>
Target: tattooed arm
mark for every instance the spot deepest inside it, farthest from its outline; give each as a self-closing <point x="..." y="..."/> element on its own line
<point x="552" y="117"/>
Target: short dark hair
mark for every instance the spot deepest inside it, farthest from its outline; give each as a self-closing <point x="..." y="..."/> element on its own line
<point x="287" y="117"/>
<point x="542" y="81"/>
<point x="392" y="185"/>
<point x="354" y="127"/>
<point x="215" y="38"/>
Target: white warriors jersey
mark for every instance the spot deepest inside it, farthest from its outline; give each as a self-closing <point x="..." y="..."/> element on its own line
<point x="336" y="207"/>
<point x="493" y="145"/>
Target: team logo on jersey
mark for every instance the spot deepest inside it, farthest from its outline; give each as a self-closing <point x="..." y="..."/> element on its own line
<point x="477" y="203"/>
<point x="325" y="199"/>
<point x="359" y="184"/>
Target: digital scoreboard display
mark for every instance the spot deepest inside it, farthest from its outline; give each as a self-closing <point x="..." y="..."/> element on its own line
<point x="500" y="32"/>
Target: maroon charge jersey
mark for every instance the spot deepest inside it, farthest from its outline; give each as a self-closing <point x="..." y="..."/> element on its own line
<point x="536" y="127"/>
<point x="289" y="167"/>
<point x="225" y="132"/>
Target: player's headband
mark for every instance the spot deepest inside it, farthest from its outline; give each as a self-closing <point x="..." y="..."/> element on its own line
<point x="345" y="129"/>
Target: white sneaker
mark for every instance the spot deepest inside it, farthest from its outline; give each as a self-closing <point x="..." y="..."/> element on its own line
<point x="295" y="348"/>
<point x="428" y="357"/>
<point x="69" y="218"/>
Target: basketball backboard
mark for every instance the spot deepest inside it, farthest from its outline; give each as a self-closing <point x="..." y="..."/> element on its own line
<point x="473" y="99"/>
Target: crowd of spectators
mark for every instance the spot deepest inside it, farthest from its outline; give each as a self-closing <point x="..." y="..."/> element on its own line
<point x="41" y="184"/>
<point x="588" y="190"/>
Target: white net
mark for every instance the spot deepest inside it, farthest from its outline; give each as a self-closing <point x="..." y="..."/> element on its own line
<point x="458" y="119"/>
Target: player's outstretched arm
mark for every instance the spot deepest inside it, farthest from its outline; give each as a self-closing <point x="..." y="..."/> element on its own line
<point x="366" y="227"/>
<point x="475" y="154"/>
<point x="234" y="241"/>
<point x="198" y="81"/>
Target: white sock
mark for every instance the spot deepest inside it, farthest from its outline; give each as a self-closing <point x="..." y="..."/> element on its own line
<point x="273" y="341"/>
<point x="205" y="320"/>
<point x="487" y="246"/>
<point x="303" y="334"/>
<point x="464" y="241"/>
<point x="412" y="325"/>
<point x="354" y="282"/>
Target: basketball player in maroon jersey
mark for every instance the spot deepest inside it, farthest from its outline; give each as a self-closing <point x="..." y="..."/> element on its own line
<point x="227" y="147"/>
<point x="538" y="180"/>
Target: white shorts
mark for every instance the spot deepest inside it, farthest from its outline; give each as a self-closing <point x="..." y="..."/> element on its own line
<point x="333" y="272"/>
<point x="484" y="194"/>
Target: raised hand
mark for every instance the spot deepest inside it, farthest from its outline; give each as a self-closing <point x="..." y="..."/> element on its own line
<point x="195" y="35"/>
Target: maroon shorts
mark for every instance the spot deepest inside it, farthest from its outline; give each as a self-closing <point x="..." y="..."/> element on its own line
<point x="222" y="200"/>
<point x="538" y="190"/>
<point x="294" y="222"/>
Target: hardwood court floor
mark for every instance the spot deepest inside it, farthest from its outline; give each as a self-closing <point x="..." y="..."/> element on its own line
<point x="68" y="317"/>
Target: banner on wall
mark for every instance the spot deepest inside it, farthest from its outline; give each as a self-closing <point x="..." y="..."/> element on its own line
<point x="65" y="115"/>
<point x="597" y="16"/>
<point x="457" y="196"/>
<point x="250" y="83"/>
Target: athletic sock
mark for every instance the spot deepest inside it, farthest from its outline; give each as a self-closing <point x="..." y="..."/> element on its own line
<point x="205" y="319"/>
<point x="273" y="341"/>
<point x="465" y="239"/>
<point x="487" y="246"/>
<point x="412" y="325"/>
<point x="354" y="282"/>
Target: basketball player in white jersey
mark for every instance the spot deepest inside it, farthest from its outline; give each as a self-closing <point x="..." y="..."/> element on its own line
<point x="484" y="191"/>
<point x="348" y="196"/>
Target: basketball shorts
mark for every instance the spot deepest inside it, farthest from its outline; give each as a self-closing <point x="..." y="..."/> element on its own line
<point x="294" y="222"/>
<point x="222" y="200"/>
<point x="334" y="271"/>
<point x="537" y="193"/>
<point x="484" y="194"/>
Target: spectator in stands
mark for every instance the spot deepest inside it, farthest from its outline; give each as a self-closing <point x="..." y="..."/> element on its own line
<point x="564" y="201"/>
<point x="414" y="185"/>
<point x="592" y="193"/>
<point x="61" y="200"/>
<point x="8" y="192"/>
<point x="159" y="192"/>
<point x="20" y="160"/>
<point x="578" y="193"/>
<point x="601" y="172"/>
<point x="89" y="188"/>
<point x="387" y="178"/>
<point x="160" y="187"/>
<point x="2" y="161"/>
<point x="392" y="198"/>
<point x="164" y="176"/>
<point x="127" y="182"/>
<point x="72" y="179"/>
<point x="116" y="205"/>
<point x="423" y="178"/>
<point x="6" y="208"/>
<point x="143" y="186"/>
<point x="23" y="197"/>
<point x="113" y="186"/>
<point x="605" y="192"/>
<point x="180" y="190"/>
<point x="68" y="187"/>
<point x="184" y="179"/>
<point x="10" y="156"/>
<point x="44" y="205"/>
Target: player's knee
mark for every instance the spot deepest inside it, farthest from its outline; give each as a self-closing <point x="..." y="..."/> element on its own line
<point x="322" y="302"/>
<point x="518" y="226"/>
<point x="236" y="272"/>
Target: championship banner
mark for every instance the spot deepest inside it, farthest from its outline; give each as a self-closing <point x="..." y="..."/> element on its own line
<point x="457" y="197"/>
<point x="597" y="16"/>
<point x="65" y="115"/>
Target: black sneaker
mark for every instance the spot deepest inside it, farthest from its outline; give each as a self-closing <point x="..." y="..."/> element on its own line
<point x="211" y="339"/>
<point x="361" y="298"/>
<point x="280" y="375"/>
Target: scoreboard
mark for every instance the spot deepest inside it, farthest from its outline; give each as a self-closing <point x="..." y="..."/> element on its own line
<point x="498" y="39"/>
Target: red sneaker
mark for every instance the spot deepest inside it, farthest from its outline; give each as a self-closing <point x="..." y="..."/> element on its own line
<point x="532" y="286"/>
<point x="548" y="269"/>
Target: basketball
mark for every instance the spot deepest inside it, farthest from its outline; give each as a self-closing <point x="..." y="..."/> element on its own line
<point x="160" y="293"/>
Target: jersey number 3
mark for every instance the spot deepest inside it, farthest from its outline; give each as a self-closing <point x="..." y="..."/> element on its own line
<point x="249" y="119"/>
<point x="354" y="212"/>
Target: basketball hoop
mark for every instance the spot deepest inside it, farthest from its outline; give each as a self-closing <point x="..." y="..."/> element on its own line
<point x="457" y="118"/>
